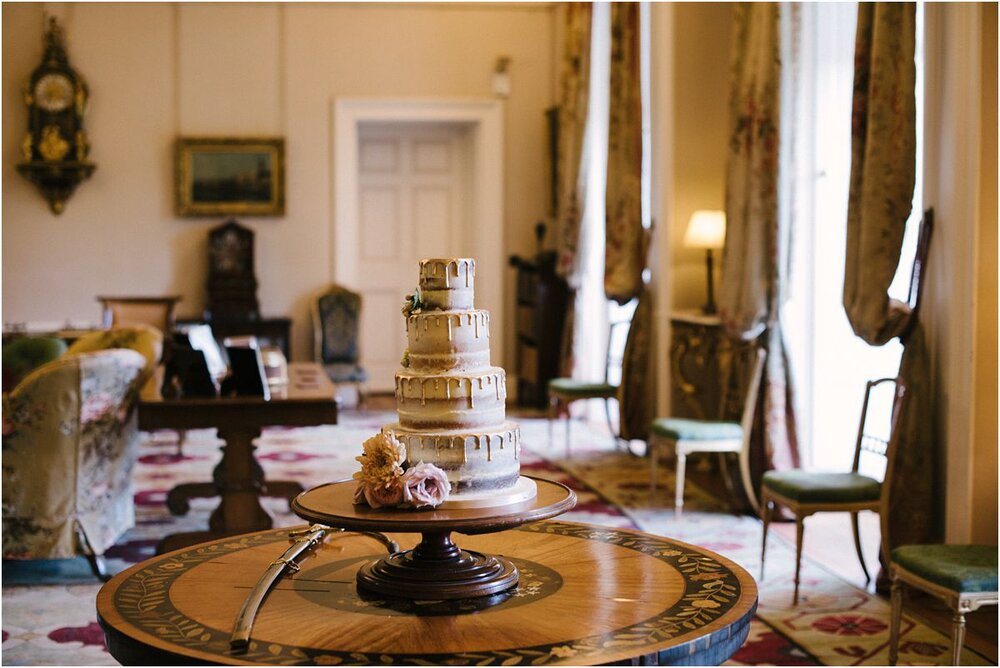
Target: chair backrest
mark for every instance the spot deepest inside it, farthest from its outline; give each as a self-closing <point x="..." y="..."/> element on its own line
<point x="875" y="427"/>
<point x="155" y="311"/>
<point x="753" y="390"/>
<point x="899" y="396"/>
<point x="617" y="337"/>
<point x="336" y="323"/>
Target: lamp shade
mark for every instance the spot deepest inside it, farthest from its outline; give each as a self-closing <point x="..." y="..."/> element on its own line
<point x="706" y="229"/>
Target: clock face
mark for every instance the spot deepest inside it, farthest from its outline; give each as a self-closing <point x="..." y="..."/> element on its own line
<point x="53" y="92"/>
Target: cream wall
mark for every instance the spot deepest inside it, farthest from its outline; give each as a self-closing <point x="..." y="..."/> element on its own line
<point x="160" y="70"/>
<point x="984" y="427"/>
<point x="960" y="313"/>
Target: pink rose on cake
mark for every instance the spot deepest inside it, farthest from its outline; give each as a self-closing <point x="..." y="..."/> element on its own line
<point x="382" y="481"/>
<point x="379" y="494"/>
<point x="425" y="485"/>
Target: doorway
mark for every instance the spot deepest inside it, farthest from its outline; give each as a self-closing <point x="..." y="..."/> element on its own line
<point x="414" y="179"/>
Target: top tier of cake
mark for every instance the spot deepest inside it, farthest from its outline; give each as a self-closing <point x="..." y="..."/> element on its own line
<point x="447" y="284"/>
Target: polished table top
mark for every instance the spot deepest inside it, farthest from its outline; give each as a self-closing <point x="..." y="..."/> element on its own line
<point x="307" y="399"/>
<point x="587" y="595"/>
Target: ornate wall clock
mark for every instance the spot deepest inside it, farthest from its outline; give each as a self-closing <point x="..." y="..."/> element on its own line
<point x="55" y="147"/>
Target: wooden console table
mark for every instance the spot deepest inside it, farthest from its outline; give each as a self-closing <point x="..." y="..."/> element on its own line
<point x="308" y="400"/>
<point x="587" y="595"/>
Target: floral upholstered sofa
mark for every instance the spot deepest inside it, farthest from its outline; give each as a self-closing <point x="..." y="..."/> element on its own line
<point x="70" y="442"/>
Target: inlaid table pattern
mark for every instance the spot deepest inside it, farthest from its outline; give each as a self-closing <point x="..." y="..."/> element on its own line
<point x="587" y="595"/>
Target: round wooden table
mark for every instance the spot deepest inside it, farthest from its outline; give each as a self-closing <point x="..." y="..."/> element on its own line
<point x="587" y="595"/>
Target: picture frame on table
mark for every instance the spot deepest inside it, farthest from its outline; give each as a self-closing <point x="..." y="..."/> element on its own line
<point x="222" y="176"/>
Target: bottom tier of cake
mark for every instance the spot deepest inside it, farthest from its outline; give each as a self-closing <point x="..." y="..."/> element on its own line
<point x="477" y="462"/>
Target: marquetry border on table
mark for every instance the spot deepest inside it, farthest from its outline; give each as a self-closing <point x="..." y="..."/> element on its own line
<point x="592" y="595"/>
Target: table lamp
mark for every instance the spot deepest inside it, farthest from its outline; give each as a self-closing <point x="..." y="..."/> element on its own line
<point x="707" y="229"/>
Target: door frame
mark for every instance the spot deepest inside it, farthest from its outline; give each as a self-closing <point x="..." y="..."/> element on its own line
<point x="484" y="229"/>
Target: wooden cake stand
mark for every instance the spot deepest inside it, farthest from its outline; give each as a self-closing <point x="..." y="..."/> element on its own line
<point x="436" y="568"/>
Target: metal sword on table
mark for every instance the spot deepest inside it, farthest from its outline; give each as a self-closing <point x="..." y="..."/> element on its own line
<point x="308" y="538"/>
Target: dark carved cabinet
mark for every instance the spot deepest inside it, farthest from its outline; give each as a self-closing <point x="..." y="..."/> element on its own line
<point x="542" y="299"/>
<point x="232" y="290"/>
<point x="232" y="284"/>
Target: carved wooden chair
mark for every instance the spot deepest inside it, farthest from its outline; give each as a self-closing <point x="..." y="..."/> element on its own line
<point x="336" y="316"/>
<point x="808" y="492"/>
<point x="690" y="436"/>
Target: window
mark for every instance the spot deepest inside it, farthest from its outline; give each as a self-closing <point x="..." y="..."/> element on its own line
<point x="830" y="364"/>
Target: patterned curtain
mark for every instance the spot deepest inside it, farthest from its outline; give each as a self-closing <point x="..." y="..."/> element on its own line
<point x="754" y="261"/>
<point x="574" y="85"/>
<point x="623" y="263"/>
<point x="883" y="169"/>
<point x="635" y="399"/>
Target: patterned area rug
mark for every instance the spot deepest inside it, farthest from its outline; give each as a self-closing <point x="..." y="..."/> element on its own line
<point x="48" y="607"/>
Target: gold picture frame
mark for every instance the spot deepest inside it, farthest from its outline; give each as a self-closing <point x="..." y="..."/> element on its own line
<point x="223" y="176"/>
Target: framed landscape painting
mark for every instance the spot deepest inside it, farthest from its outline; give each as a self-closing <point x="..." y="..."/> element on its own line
<point x="221" y="176"/>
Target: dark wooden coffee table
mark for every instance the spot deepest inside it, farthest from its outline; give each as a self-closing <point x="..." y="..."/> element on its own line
<point x="308" y="400"/>
<point x="587" y="595"/>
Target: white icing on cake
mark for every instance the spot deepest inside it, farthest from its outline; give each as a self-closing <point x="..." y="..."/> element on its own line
<point x="470" y="400"/>
<point x="475" y="460"/>
<point x="451" y="402"/>
<point x="447" y="284"/>
<point x="441" y="341"/>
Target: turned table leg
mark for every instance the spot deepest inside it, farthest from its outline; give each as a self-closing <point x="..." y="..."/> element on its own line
<point x="240" y="485"/>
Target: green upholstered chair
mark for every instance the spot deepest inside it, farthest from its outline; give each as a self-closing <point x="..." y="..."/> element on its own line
<point x="564" y="391"/>
<point x="690" y="436"/>
<point x="26" y="353"/>
<point x="336" y="316"/>
<point x="808" y="492"/>
<point x="963" y="576"/>
<point x="70" y="442"/>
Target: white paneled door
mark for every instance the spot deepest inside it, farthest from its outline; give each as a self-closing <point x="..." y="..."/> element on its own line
<point x="413" y="202"/>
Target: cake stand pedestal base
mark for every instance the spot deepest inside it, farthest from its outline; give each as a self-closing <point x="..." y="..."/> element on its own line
<point x="438" y="569"/>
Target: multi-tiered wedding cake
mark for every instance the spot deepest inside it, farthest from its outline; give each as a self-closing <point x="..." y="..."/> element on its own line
<point x="450" y="400"/>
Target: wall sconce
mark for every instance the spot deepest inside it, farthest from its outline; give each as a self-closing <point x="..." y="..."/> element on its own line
<point x="501" y="77"/>
<point x="707" y="229"/>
